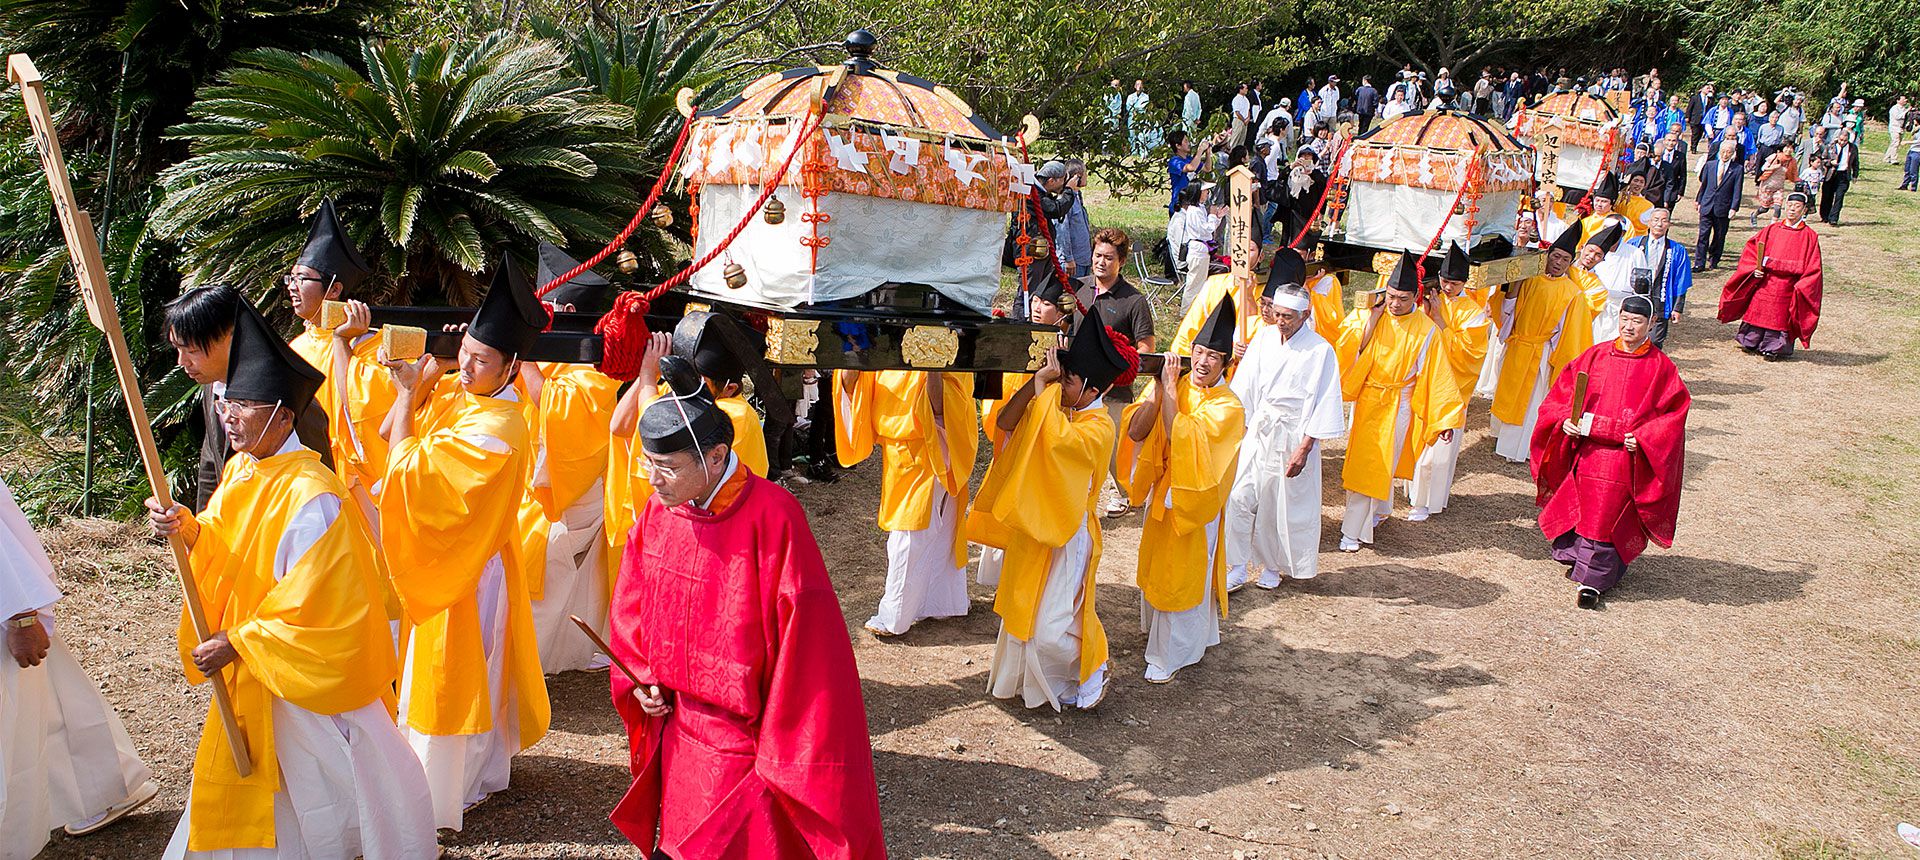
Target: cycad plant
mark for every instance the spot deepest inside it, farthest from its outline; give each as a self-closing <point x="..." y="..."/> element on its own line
<point x="438" y="157"/>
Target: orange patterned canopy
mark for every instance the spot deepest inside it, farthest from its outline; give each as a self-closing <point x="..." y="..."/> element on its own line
<point x="1577" y="106"/>
<point x="1441" y="150"/>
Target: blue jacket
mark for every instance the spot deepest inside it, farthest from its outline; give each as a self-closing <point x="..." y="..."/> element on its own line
<point x="1073" y="237"/>
<point x="1679" y="273"/>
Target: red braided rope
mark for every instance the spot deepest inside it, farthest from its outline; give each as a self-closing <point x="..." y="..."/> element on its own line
<point x="653" y="199"/>
<point x="810" y="125"/>
<point x="1046" y="231"/>
<point x="1420" y="264"/>
<point x="1333" y="176"/>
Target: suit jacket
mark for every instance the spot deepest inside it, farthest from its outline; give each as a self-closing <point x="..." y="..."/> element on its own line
<point x="1667" y="179"/>
<point x="1697" y="108"/>
<point x="1719" y="194"/>
<point x="311" y="427"/>
<point x="1853" y="160"/>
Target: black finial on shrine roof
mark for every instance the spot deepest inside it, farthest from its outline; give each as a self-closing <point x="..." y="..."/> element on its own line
<point x="860" y="44"/>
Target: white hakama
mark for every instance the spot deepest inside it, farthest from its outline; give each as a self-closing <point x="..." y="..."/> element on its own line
<point x="922" y="580"/>
<point x="575" y="584"/>
<point x="349" y="789"/>
<point x="1515" y="441"/>
<point x="1176" y="640"/>
<point x="1046" y="669"/>
<point x="1432" y="483"/>
<point x="1290" y="388"/>
<point x="1363" y="511"/>
<point x="988" y="573"/>
<point x="64" y="753"/>
<point x="463" y="770"/>
<point x="1490" y="368"/>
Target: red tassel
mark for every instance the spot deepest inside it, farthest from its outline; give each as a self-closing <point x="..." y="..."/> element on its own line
<point x="623" y="334"/>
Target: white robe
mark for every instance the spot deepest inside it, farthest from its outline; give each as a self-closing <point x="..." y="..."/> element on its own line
<point x="465" y="769"/>
<point x="349" y="786"/>
<point x="575" y="584"/>
<point x="1176" y="640"/>
<point x="922" y="580"/>
<point x="1515" y="441"/>
<point x="64" y="755"/>
<point x="1045" y="670"/>
<point x="1290" y="388"/>
<point x="1432" y="483"/>
<point x="1615" y="272"/>
<point x="1364" y="512"/>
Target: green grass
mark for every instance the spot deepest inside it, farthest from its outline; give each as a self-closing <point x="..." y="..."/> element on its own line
<point x="1894" y="777"/>
<point x="1813" y="846"/>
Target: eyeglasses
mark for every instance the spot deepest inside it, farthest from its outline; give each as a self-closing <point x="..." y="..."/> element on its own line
<point x="290" y="280"/>
<point x="224" y="406"/>
<point x="667" y="473"/>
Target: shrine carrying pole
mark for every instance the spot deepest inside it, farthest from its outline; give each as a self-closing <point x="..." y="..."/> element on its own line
<point x="83" y="250"/>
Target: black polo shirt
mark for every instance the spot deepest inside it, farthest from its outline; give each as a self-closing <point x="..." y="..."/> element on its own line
<point x="1123" y="309"/>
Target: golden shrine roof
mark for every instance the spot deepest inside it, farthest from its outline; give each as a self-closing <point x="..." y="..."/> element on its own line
<point x="1443" y="130"/>
<point x="1578" y="106"/>
<point x="860" y="88"/>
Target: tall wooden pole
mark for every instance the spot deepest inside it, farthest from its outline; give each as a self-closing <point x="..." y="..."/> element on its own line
<point x="83" y="249"/>
<point x="1243" y="249"/>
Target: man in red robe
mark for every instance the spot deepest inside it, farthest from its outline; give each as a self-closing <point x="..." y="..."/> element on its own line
<point x="749" y="737"/>
<point x="1775" y="291"/>
<point x="1609" y="478"/>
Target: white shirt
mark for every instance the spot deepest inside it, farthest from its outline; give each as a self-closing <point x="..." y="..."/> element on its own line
<point x="1329" y="101"/>
<point x="1242" y="109"/>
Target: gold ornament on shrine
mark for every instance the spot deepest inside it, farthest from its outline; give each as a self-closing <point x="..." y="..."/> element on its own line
<point x="661" y="216"/>
<point x="735" y="275"/>
<point x="775" y="213"/>
<point x="627" y="260"/>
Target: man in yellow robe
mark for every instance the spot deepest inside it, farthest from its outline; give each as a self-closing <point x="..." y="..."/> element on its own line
<point x="1631" y="203"/>
<point x="294" y="598"/>
<point x="1038" y="505"/>
<point x="924" y="424"/>
<point x="1544" y="322"/>
<point x="358" y="393"/>
<point x="1404" y="397"/>
<point x="1047" y="304"/>
<point x="472" y="694"/>
<point x="1181" y="443"/>
<point x="1464" y="322"/>
<point x="1606" y="196"/>
<point x="562" y="517"/>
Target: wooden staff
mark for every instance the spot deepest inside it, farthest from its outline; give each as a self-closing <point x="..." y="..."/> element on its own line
<point x="605" y="649"/>
<point x="83" y="249"/>
<point x="1579" y="395"/>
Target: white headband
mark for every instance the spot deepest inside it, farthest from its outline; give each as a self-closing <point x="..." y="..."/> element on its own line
<point x="1293" y="301"/>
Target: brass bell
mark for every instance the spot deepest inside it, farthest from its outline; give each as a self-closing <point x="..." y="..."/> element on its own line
<point x="627" y="261"/>
<point x="735" y="274"/>
<point x="661" y="216"/>
<point x="775" y="212"/>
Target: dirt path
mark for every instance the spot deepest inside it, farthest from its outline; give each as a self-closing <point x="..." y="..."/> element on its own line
<point x="1749" y="693"/>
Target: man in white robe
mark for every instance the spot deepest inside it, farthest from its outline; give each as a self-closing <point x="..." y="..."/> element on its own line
<point x="1289" y="383"/>
<point x="65" y="758"/>
<point x="1613" y="262"/>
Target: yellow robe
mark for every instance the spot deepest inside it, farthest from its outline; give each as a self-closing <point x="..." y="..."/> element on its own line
<point x="1195" y="463"/>
<point x="571" y="427"/>
<point x="1544" y="306"/>
<point x="1328" y="305"/>
<point x="1246" y="306"/>
<point x="1468" y="325"/>
<point x="317" y="638"/>
<point x="1373" y="383"/>
<point x="1591" y="288"/>
<point x="356" y="404"/>
<point x="1042" y="488"/>
<point x="450" y="505"/>
<point x="1636" y="209"/>
<point x="627" y="491"/>
<point x="892" y="408"/>
<point x="1593" y="223"/>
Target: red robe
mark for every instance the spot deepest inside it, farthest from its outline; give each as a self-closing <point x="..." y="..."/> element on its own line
<point x="1787" y="296"/>
<point x="765" y="754"/>
<point x="1595" y="486"/>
